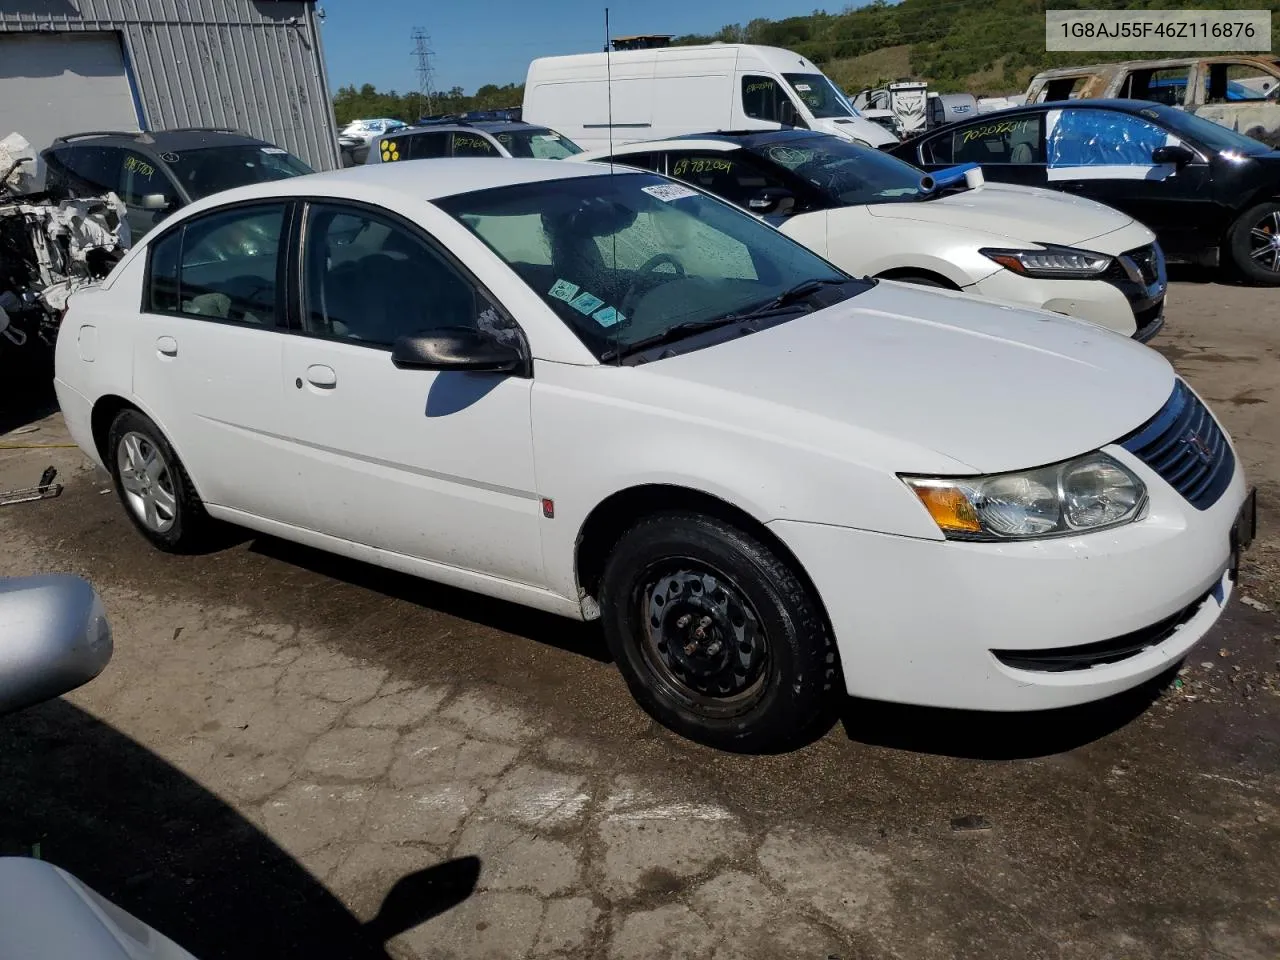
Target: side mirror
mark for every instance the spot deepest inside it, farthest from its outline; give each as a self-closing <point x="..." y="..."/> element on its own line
<point x="54" y="637"/>
<point x="1176" y="154"/>
<point x="787" y="114"/>
<point x="772" y="200"/>
<point x="455" y="348"/>
<point x="154" y="201"/>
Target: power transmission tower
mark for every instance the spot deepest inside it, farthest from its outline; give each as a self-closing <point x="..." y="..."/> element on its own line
<point x="422" y="52"/>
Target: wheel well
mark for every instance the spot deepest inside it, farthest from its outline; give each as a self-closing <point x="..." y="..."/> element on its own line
<point x="104" y="414"/>
<point x="618" y="513"/>
<point x="912" y="273"/>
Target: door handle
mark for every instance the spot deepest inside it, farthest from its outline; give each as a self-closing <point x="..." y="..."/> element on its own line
<point x="167" y="346"/>
<point x="320" y="375"/>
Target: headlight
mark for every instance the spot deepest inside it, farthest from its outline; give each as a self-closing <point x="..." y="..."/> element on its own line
<point x="1092" y="492"/>
<point x="1051" y="262"/>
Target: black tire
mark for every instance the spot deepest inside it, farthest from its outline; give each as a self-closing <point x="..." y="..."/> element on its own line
<point x="189" y="527"/>
<point x="1254" y="243"/>
<point x="788" y="679"/>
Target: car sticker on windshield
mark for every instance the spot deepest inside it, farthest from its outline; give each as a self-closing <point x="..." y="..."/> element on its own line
<point x="169" y="157"/>
<point x="563" y="290"/>
<point x="666" y="192"/>
<point x="274" y="150"/>
<point x="608" y="317"/>
<point x="586" y="303"/>
<point x="803" y="87"/>
<point x="546" y="136"/>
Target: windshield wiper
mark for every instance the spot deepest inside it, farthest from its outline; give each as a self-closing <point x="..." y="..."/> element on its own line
<point x="677" y="332"/>
<point x="681" y="330"/>
<point x="787" y="298"/>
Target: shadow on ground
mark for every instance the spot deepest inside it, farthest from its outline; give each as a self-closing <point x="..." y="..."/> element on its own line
<point x="26" y="392"/>
<point x="141" y="833"/>
<point x="974" y="735"/>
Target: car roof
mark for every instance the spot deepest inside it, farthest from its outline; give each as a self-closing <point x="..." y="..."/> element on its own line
<point x="485" y="126"/>
<point x="165" y="141"/>
<point x="420" y="179"/>
<point x="721" y="140"/>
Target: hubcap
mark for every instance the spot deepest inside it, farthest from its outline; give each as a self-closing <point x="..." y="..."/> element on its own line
<point x="704" y="639"/>
<point x="148" y="486"/>
<point x="1264" y="241"/>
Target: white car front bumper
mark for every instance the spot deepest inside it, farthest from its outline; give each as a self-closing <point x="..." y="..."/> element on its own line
<point x="983" y="626"/>
<point x="1097" y="301"/>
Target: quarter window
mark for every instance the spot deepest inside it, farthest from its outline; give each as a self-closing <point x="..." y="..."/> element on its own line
<point x="414" y="146"/>
<point x="1013" y="140"/>
<point x="222" y="266"/>
<point x="368" y="279"/>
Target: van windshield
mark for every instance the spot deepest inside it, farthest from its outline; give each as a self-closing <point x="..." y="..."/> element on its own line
<point x="820" y="95"/>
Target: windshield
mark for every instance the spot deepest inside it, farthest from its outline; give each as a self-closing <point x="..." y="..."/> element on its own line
<point x="845" y="172"/>
<point x="212" y="169"/>
<point x="1206" y="132"/>
<point x="820" y="95"/>
<point x="538" y="143"/>
<point x="624" y="258"/>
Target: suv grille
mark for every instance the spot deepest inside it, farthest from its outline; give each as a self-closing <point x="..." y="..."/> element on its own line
<point x="1185" y="445"/>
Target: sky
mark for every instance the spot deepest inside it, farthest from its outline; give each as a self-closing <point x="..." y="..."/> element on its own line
<point x="492" y="41"/>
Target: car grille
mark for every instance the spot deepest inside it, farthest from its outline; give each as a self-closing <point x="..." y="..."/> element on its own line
<point x="1148" y="321"/>
<point x="1139" y="265"/>
<point x="1063" y="659"/>
<point x="1185" y="445"/>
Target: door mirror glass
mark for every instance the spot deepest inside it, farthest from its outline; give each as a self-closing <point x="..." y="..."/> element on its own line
<point x="1175" y="153"/>
<point x="55" y="636"/>
<point x="455" y="348"/>
<point x="787" y="113"/>
<point x="154" y="201"/>
<point x="772" y="200"/>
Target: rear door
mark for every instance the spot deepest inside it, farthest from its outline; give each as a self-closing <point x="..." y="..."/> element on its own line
<point x="207" y="354"/>
<point x="1010" y="149"/>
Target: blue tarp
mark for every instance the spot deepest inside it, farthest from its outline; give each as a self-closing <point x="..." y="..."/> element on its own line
<point x="1102" y="137"/>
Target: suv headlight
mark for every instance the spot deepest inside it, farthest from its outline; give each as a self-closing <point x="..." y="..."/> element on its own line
<point x="1092" y="492"/>
<point x="1052" y="262"/>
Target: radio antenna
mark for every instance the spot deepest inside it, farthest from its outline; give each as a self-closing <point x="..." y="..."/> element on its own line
<point x="608" y="87"/>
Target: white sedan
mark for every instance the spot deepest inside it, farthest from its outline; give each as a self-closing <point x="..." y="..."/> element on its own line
<point x="612" y="396"/>
<point x="868" y="213"/>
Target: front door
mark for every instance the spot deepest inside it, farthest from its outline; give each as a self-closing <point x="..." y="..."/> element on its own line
<point x="432" y="465"/>
<point x="1106" y="155"/>
<point x="207" y="350"/>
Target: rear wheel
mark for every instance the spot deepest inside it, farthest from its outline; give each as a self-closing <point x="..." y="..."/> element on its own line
<point x="1254" y="243"/>
<point x="153" y="485"/>
<point x="716" y="635"/>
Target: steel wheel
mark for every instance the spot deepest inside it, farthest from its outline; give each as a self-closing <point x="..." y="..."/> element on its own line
<point x="147" y="482"/>
<point x="1264" y="241"/>
<point x="703" y="638"/>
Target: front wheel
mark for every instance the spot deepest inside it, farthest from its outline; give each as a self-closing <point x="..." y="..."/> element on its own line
<point x="716" y="635"/>
<point x="1254" y="243"/>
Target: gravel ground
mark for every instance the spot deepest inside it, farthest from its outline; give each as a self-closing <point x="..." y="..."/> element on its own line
<point x="295" y="754"/>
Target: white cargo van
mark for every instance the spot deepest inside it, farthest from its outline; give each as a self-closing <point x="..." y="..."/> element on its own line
<point x="669" y="91"/>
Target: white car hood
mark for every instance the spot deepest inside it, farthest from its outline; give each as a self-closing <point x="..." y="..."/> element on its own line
<point x="1024" y="214"/>
<point x="991" y="387"/>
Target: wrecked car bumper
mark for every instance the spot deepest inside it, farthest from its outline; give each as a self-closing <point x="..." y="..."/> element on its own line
<point x="1024" y="625"/>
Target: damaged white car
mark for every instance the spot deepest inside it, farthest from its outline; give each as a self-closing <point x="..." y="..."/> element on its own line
<point x="48" y="249"/>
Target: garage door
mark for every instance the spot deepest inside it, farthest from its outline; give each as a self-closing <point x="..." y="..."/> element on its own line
<point x="53" y="84"/>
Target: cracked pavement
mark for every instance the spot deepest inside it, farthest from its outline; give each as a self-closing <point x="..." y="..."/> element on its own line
<point x="291" y="754"/>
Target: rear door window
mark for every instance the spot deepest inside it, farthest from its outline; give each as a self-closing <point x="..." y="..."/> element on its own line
<point x="1013" y="140"/>
<point x="729" y="175"/>
<point x="86" y="170"/>
<point x="414" y="146"/>
<point x="473" y="145"/>
<point x="221" y="266"/>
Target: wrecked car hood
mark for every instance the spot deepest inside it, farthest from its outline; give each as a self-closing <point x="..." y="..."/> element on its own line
<point x="989" y="387"/>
